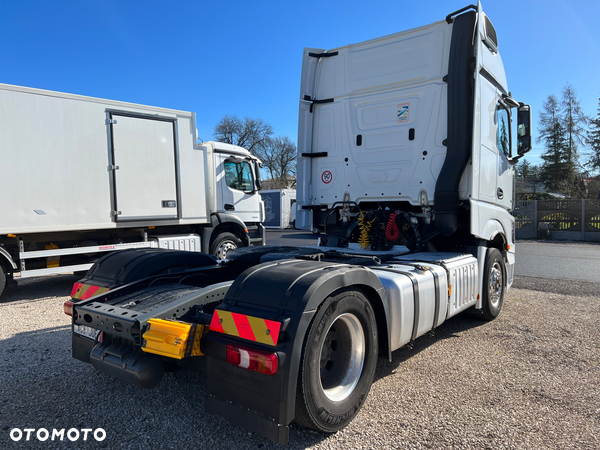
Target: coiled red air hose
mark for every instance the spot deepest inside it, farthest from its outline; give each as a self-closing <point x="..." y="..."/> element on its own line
<point x="391" y="231"/>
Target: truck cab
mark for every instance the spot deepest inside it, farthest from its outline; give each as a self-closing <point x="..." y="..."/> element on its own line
<point x="238" y="182"/>
<point x="237" y="202"/>
<point x="421" y="123"/>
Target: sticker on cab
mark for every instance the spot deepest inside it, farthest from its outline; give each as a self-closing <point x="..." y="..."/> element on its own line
<point x="403" y="112"/>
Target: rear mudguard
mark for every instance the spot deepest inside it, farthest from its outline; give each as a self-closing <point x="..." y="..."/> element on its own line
<point x="290" y="292"/>
<point x="126" y="266"/>
<point x="127" y="272"/>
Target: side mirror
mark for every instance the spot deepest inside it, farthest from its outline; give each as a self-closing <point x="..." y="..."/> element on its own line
<point x="523" y="129"/>
<point x="257" y="166"/>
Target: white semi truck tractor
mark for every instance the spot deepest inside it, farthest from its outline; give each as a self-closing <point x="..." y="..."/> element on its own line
<point x="406" y="152"/>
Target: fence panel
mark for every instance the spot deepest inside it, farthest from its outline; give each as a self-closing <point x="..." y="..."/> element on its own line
<point x="592" y="216"/>
<point x="525" y="219"/>
<point x="562" y="215"/>
<point x="577" y="220"/>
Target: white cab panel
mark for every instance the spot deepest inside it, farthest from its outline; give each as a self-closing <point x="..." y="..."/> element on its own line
<point x="384" y="126"/>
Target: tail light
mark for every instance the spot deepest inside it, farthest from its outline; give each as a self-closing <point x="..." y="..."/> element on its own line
<point x="68" y="307"/>
<point x="262" y="362"/>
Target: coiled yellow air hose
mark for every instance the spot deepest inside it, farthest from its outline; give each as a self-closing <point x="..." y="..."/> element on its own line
<point x="365" y="227"/>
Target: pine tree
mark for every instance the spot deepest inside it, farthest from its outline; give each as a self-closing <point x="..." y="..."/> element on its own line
<point x="558" y="170"/>
<point x="574" y="121"/>
<point x="527" y="171"/>
<point x="593" y="140"/>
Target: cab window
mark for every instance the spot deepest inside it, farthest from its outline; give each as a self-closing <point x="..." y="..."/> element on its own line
<point x="238" y="175"/>
<point x="503" y="133"/>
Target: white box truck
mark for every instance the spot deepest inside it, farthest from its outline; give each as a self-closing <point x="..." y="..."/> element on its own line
<point x="406" y="162"/>
<point x="81" y="176"/>
<point x="280" y="210"/>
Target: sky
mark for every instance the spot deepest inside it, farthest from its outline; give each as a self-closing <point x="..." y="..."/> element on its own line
<point x="244" y="58"/>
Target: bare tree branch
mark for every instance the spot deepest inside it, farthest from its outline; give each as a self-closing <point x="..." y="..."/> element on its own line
<point x="279" y="158"/>
<point x="252" y="134"/>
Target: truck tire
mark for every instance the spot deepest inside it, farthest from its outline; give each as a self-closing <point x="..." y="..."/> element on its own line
<point x="338" y="362"/>
<point x="224" y="243"/>
<point x="493" y="284"/>
<point x="2" y="279"/>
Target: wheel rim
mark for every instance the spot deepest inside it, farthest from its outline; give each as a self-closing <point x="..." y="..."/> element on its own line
<point x="342" y="357"/>
<point x="496" y="284"/>
<point x="225" y="247"/>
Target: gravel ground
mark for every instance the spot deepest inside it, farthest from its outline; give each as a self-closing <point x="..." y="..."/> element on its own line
<point x="530" y="380"/>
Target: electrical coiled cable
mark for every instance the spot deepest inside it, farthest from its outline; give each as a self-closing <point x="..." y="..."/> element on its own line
<point x="391" y="231"/>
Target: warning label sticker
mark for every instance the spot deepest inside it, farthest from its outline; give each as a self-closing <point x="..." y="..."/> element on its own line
<point x="403" y="112"/>
<point x="326" y="177"/>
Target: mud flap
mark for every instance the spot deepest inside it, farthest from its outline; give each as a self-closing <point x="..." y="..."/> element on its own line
<point x="289" y="292"/>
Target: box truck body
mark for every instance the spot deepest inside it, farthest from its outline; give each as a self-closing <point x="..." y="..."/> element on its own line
<point x="85" y="172"/>
<point x="280" y="211"/>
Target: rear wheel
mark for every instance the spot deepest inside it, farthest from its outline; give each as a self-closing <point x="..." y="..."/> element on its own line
<point x="223" y="243"/>
<point x="2" y="279"/>
<point x="494" y="283"/>
<point x="338" y="362"/>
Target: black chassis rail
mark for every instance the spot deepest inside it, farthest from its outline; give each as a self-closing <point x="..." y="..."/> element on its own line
<point x="289" y="291"/>
<point x="128" y="323"/>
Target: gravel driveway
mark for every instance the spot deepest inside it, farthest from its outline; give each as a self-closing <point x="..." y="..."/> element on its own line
<point x="530" y="379"/>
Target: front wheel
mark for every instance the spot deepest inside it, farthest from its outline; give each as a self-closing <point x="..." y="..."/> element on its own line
<point x="223" y="243"/>
<point x="338" y="362"/>
<point x="494" y="284"/>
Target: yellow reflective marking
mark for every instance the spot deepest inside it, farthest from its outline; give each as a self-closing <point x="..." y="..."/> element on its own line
<point x="228" y="324"/>
<point x="259" y="328"/>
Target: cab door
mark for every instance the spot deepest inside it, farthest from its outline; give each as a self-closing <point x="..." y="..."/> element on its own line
<point x="505" y="176"/>
<point x="236" y="192"/>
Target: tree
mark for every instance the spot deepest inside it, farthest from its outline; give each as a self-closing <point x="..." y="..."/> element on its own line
<point x="277" y="154"/>
<point x="252" y="134"/>
<point x="527" y="171"/>
<point x="527" y="182"/>
<point x="279" y="158"/>
<point x="574" y="121"/>
<point x="557" y="168"/>
<point x="593" y="140"/>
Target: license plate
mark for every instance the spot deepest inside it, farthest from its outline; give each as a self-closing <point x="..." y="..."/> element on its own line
<point x="85" y="331"/>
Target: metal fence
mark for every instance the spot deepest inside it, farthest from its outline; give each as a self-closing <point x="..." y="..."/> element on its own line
<point x="572" y="220"/>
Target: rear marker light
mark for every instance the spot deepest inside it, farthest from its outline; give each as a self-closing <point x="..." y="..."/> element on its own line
<point x="68" y="308"/>
<point x="261" y="362"/>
